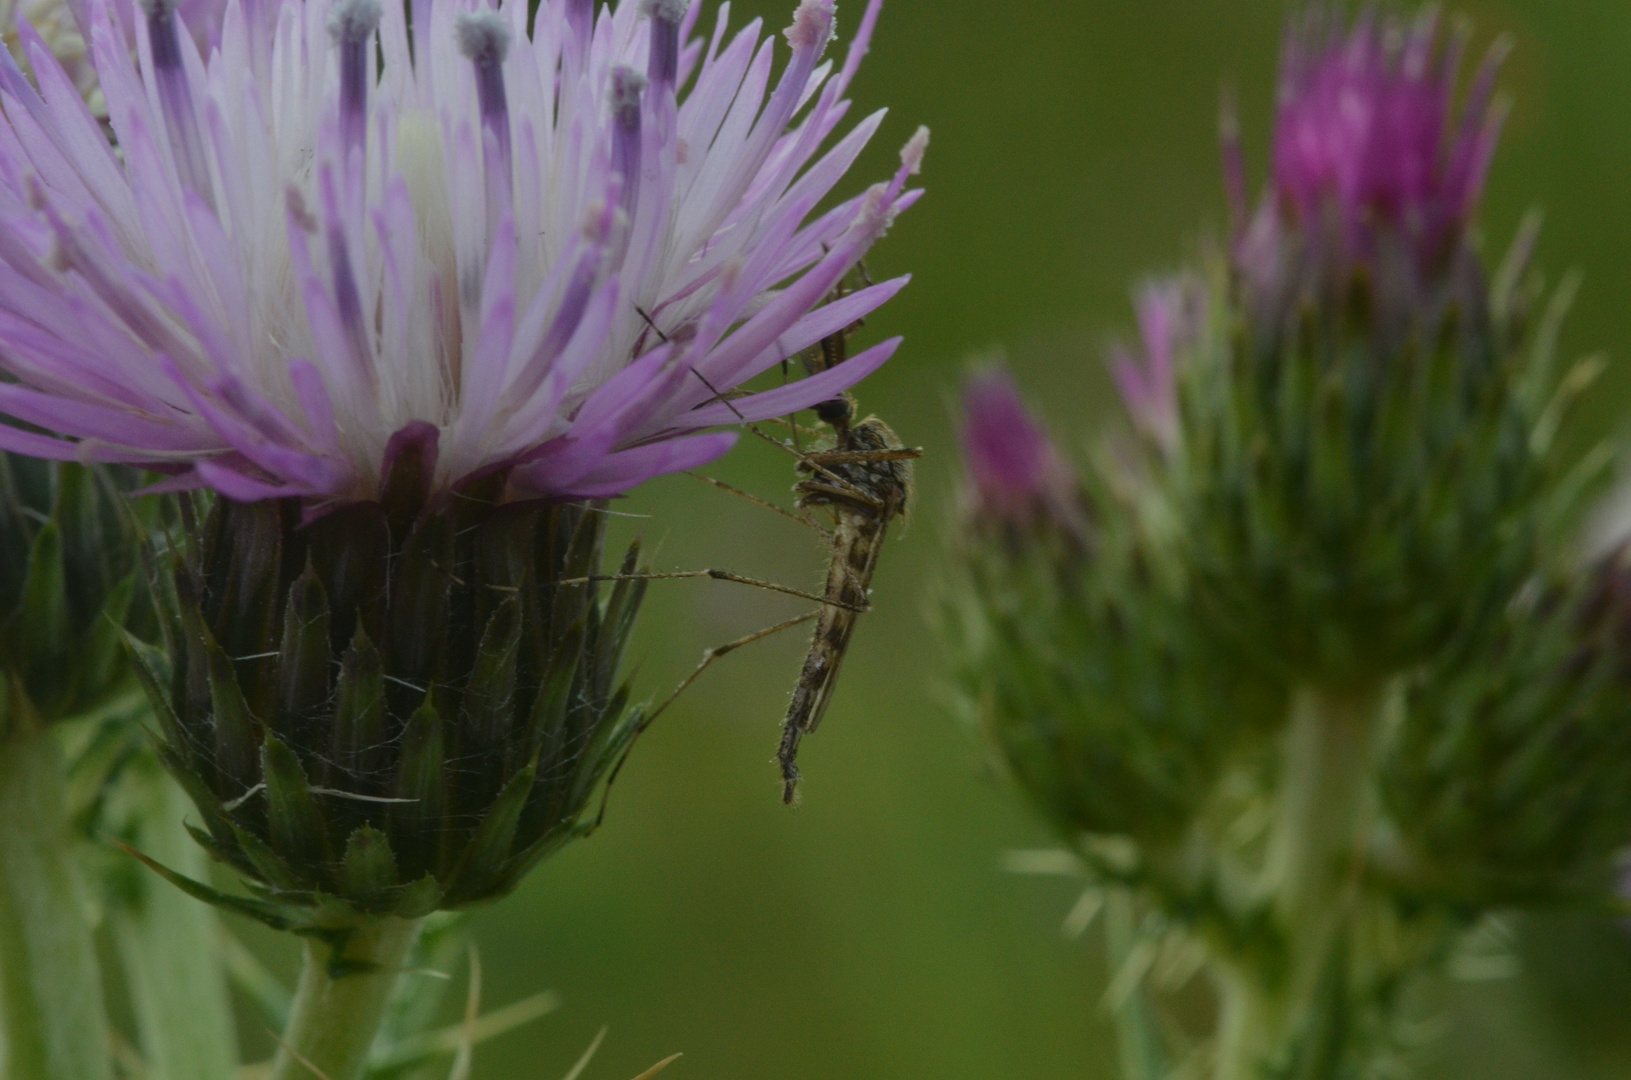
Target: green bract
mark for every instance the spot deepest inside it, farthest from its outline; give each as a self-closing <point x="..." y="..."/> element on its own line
<point x="1363" y="466"/>
<point x="1075" y="657"/>
<point x="68" y="576"/>
<point x="398" y="710"/>
<point x="1509" y="774"/>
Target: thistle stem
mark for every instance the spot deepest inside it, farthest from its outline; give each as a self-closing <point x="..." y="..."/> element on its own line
<point x="52" y="1024"/>
<point x="1310" y="886"/>
<point x="167" y="941"/>
<point x="343" y="993"/>
<point x="1138" y="1035"/>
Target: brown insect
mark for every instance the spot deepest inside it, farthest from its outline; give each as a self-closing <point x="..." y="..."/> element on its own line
<point x="864" y="481"/>
<point x="862" y="477"/>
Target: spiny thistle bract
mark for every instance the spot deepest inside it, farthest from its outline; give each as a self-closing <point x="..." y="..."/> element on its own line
<point x="68" y="580"/>
<point x="1509" y="772"/>
<point x="396" y="707"/>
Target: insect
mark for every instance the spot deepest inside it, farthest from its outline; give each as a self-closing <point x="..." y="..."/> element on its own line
<point x="862" y="479"/>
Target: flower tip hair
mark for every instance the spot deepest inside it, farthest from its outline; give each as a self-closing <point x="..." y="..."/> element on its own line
<point x="671" y="11"/>
<point x="350" y="22"/>
<point x="483" y="36"/>
<point x="812" y="25"/>
<point x="911" y="155"/>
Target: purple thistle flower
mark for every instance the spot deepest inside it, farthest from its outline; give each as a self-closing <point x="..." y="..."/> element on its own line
<point x="1367" y="141"/>
<point x="1016" y="473"/>
<point x="548" y="255"/>
<point x="1169" y="313"/>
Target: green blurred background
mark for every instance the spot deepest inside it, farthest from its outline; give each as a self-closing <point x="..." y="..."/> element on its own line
<point x="872" y="932"/>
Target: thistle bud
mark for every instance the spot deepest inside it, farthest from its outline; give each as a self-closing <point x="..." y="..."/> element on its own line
<point x="1069" y="644"/>
<point x="1509" y="774"/>
<point x="403" y="704"/>
<point x="67" y="583"/>
<point x="1016" y="474"/>
<point x="1358" y="475"/>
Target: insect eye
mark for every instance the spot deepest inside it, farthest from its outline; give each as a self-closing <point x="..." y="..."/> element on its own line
<point x="836" y="411"/>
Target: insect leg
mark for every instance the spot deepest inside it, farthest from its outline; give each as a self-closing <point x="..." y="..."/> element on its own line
<point x="717" y="575"/>
<point x="799" y="454"/>
<point x="800" y="515"/>
<point x="708" y="657"/>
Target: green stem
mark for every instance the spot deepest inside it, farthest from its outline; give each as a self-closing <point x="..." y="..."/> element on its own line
<point x="51" y="1011"/>
<point x="168" y="942"/>
<point x="1246" y="1020"/>
<point x="1138" y="1034"/>
<point x="1308" y="884"/>
<point x="341" y="1000"/>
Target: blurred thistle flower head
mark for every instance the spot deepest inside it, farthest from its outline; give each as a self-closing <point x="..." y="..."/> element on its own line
<point x="1016" y="473"/>
<point x="546" y="255"/>
<point x="1369" y="148"/>
<point x="1170" y="313"/>
<point x="56" y="26"/>
<point x="50" y="23"/>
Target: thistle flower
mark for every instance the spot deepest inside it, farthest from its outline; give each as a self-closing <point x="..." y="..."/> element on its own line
<point x="538" y="253"/>
<point x="1358" y="477"/>
<point x="1370" y="160"/>
<point x="1015" y="472"/>
<point x="1069" y="642"/>
<point x="410" y="302"/>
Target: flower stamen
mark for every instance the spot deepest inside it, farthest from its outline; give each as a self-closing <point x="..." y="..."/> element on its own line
<point x="351" y="25"/>
<point x="484" y="39"/>
<point x="175" y="97"/>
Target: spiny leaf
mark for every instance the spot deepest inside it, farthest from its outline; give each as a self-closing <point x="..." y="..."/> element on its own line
<point x="359" y="711"/>
<point x="419" y="899"/>
<point x="417" y="635"/>
<point x="268" y="863"/>
<point x="295" y="820"/>
<point x="237" y="732"/>
<point x="152" y="669"/>
<point x="489" y="848"/>
<point x="303" y="654"/>
<point x="273" y="915"/>
<point x="39" y="627"/>
<point x="370" y="865"/>
<point x="487" y="706"/>
<point x="421" y="789"/>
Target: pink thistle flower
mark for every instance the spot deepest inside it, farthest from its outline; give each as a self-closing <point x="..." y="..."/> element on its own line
<point x="1367" y="142"/>
<point x="1016" y="473"/>
<point x="1169" y="313"/>
<point x="547" y="255"/>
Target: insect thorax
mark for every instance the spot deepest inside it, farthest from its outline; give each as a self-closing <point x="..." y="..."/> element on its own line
<point x="880" y="487"/>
